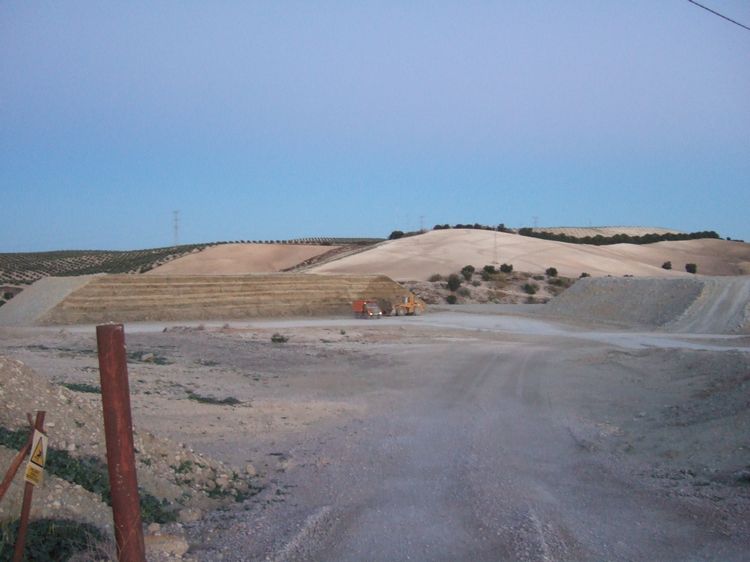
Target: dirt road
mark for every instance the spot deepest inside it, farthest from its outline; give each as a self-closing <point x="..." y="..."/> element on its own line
<point x="469" y="455"/>
<point x="457" y="437"/>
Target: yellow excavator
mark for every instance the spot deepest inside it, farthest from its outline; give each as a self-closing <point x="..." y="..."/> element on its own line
<point x="408" y="305"/>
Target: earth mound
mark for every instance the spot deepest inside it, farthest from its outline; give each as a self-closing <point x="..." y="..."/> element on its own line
<point x="713" y="305"/>
<point x="175" y="482"/>
<point x="446" y="251"/>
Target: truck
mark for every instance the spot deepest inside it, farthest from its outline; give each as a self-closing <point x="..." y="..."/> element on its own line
<point x="408" y="305"/>
<point x="364" y="308"/>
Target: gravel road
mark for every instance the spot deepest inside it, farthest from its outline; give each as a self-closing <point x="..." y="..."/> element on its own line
<point x="452" y="436"/>
<point x="518" y="447"/>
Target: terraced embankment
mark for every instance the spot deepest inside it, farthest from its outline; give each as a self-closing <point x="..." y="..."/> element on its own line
<point x="134" y="298"/>
<point x="710" y="305"/>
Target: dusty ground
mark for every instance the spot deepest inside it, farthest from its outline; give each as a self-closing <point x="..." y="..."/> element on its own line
<point x="450" y="436"/>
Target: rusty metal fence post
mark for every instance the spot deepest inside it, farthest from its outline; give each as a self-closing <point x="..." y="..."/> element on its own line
<point x="28" y="491"/>
<point x="118" y="430"/>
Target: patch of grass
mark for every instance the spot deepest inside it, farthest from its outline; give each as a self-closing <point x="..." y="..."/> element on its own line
<point x="184" y="466"/>
<point x="50" y="540"/>
<point x="530" y="288"/>
<point x="279" y="338"/>
<point x="90" y="473"/>
<point x="82" y="387"/>
<point x="206" y="363"/>
<point x="229" y="401"/>
<point x="148" y="357"/>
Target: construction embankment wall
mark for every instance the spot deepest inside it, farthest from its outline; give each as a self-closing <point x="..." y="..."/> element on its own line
<point x="141" y="298"/>
<point x="699" y="305"/>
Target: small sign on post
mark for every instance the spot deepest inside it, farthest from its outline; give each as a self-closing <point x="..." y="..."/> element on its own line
<point x="35" y="467"/>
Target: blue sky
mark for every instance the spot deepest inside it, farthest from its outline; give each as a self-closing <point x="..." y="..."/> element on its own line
<point x="286" y="119"/>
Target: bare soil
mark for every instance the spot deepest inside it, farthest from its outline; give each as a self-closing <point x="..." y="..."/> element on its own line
<point x="449" y="436"/>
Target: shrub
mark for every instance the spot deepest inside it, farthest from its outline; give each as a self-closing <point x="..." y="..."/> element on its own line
<point x="51" y="539"/>
<point x="464" y="292"/>
<point x="278" y="338"/>
<point x="666" y="265"/>
<point x="506" y="268"/>
<point x="489" y="269"/>
<point x="691" y="268"/>
<point x="551" y="272"/>
<point x="229" y="401"/>
<point x="584" y="274"/>
<point x="82" y="387"/>
<point x="454" y="282"/>
<point x="476" y="283"/>
<point x="396" y="234"/>
<point x="486" y="276"/>
<point x="530" y="288"/>
<point x="538" y="277"/>
<point x="435" y="277"/>
<point x="451" y="299"/>
<point x="467" y="272"/>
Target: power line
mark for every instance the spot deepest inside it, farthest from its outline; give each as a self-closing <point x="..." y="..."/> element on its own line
<point x="718" y="14"/>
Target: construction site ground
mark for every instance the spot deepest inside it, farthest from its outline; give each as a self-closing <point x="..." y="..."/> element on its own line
<point x="482" y="433"/>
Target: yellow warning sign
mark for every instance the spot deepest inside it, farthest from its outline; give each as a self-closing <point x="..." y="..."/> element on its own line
<point x="37" y="457"/>
<point x="35" y="467"/>
<point x="39" y="448"/>
<point x="34" y="474"/>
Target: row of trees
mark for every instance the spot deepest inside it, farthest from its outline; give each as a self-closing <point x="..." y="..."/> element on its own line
<point x="476" y="226"/>
<point x="600" y="240"/>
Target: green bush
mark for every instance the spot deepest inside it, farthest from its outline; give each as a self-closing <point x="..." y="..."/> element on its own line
<point x="454" y="282"/>
<point x="551" y="272"/>
<point x="82" y="387"/>
<point x="396" y="234"/>
<point x="451" y="299"/>
<point x="467" y="271"/>
<point x="50" y="540"/>
<point x="278" y="338"/>
<point x="463" y="292"/>
<point x="530" y="288"/>
<point x="584" y="274"/>
<point x="666" y="265"/>
<point x="489" y="269"/>
<point x="506" y="268"/>
<point x="230" y="401"/>
<point x="691" y="268"/>
<point x="435" y="277"/>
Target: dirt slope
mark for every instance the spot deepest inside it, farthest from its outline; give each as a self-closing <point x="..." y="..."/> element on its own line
<point x="444" y="251"/>
<point x="699" y="305"/>
<point x="238" y="259"/>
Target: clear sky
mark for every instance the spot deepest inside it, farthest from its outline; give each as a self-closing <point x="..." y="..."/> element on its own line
<point x="268" y="120"/>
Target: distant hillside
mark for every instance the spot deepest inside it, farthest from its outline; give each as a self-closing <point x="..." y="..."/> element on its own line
<point x="25" y="268"/>
<point x="449" y="250"/>
<point x="606" y="231"/>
